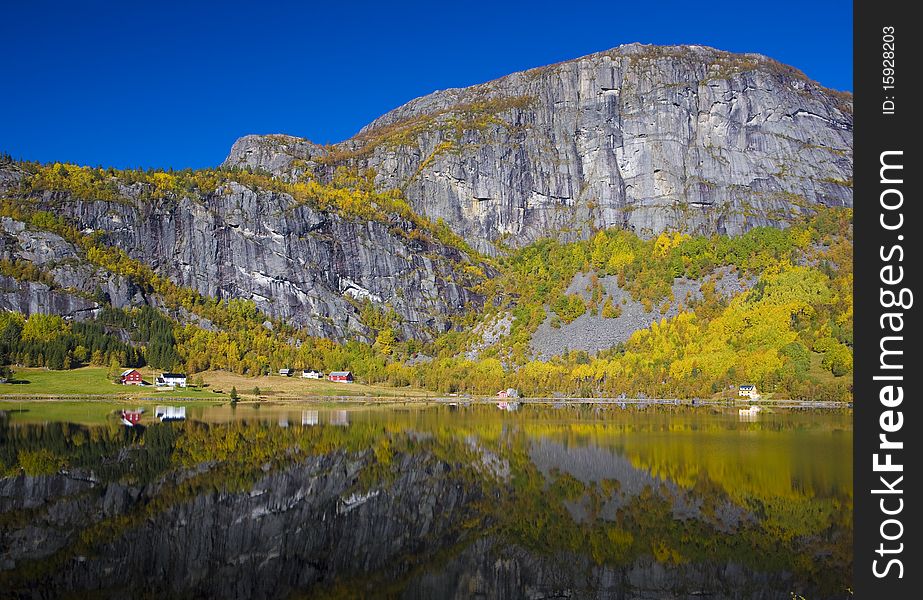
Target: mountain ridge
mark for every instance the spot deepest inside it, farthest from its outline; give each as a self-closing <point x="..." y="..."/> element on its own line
<point x="648" y="138"/>
<point x="477" y="228"/>
<point x="760" y="58"/>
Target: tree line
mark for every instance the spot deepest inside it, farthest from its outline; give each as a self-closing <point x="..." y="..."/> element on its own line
<point x="791" y="333"/>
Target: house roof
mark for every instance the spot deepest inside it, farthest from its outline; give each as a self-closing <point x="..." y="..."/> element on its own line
<point x="340" y="373"/>
<point x="127" y="371"/>
<point x="746" y="387"/>
<point x="173" y="376"/>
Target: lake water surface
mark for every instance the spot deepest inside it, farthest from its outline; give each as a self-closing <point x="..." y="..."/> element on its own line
<point x="431" y="502"/>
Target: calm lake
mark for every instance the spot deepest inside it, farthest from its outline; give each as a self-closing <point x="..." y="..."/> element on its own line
<point x="431" y="502"/>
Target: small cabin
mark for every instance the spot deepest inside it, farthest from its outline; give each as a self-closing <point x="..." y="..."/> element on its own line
<point x="341" y="376"/>
<point x="747" y="391"/>
<point x="285" y="372"/>
<point x="131" y="377"/>
<point x="508" y="393"/>
<point x="312" y="374"/>
<point x="171" y="380"/>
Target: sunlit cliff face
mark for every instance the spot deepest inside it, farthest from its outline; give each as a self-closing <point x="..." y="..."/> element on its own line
<point x="432" y="503"/>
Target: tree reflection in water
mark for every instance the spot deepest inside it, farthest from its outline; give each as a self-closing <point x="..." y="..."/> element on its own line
<point x="428" y="502"/>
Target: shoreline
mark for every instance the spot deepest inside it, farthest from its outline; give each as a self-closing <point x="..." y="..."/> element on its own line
<point x="435" y="400"/>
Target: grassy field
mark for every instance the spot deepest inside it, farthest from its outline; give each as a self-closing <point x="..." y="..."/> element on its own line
<point x="89" y="380"/>
<point x="95" y="381"/>
<point x="85" y="381"/>
<point x="274" y="386"/>
<point x="105" y="398"/>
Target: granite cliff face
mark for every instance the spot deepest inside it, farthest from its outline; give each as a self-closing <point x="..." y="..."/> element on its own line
<point x="311" y="268"/>
<point x="73" y="288"/>
<point x="642" y="137"/>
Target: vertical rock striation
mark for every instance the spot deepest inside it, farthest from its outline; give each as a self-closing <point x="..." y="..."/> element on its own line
<point x="311" y="268"/>
<point x="642" y="137"/>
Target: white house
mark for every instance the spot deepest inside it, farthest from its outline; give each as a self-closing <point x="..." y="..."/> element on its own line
<point x="171" y="380"/>
<point x="747" y="391"/>
<point x="312" y="374"/>
<point x="285" y="372"/>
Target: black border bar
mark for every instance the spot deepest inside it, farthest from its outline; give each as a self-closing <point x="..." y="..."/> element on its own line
<point x="887" y="267"/>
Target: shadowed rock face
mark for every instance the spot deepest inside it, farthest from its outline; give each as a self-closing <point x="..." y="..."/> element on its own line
<point x="76" y="283"/>
<point x="30" y="297"/>
<point x="641" y="137"/>
<point x="310" y="268"/>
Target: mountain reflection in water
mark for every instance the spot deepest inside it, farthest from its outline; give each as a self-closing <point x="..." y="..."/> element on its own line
<point x="430" y="502"/>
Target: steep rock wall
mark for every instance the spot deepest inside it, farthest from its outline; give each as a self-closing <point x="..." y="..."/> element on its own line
<point x="641" y="137"/>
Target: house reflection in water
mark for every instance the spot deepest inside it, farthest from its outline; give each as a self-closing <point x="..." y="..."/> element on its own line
<point x="309" y="417"/>
<point x="339" y="417"/>
<point x="749" y="414"/>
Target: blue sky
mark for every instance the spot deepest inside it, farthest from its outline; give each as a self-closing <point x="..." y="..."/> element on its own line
<point x="173" y="84"/>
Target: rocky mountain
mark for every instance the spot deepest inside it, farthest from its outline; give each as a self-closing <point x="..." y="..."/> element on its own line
<point x="647" y="138"/>
<point x="641" y="137"/>
<point x="312" y="268"/>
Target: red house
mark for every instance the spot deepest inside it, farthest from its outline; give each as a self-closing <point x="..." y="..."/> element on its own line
<point x="131" y="377"/>
<point x="344" y="376"/>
